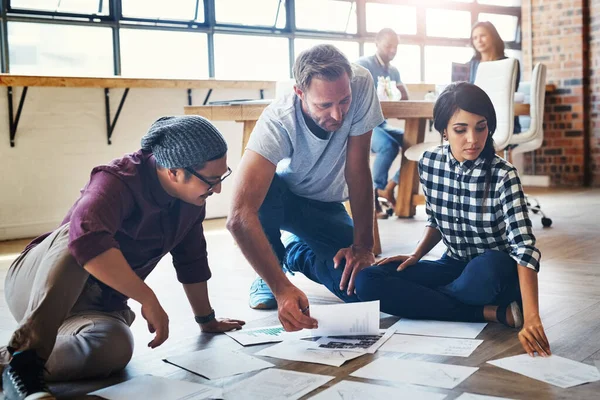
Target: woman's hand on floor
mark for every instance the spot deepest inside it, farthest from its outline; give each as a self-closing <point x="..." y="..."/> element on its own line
<point x="404" y="261"/>
<point x="222" y="325"/>
<point x="533" y="338"/>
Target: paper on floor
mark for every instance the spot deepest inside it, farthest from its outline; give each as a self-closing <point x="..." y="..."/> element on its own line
<point x="468" y="330"/>
<point x="555" y="370"/>
<point x="218" y="363"/>
<point x="417" y="372"/>
<point x="268" y="334"/>
<point x="471" y="396"/>
<point x="431" y="345"/>
<point x="346" y="319"/>
<point x="350" y="390"/>
<point x="308" y="351"/>
<point x="276" y="384"/>
<point x="362" y="343"/>
<point x="149" y="387"/>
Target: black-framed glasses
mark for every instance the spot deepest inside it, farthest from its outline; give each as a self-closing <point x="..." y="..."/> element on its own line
<point x="210" y="184"/>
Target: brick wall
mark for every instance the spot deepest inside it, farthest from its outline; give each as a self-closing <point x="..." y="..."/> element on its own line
<point x="559" y="41"/>
<point x="594" y="124"/>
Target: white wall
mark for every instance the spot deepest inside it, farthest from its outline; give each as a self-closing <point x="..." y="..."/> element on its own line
<point x="62" y="136"/>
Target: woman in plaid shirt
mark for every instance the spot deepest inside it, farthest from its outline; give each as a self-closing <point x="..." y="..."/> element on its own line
<point x="476" y="206"/>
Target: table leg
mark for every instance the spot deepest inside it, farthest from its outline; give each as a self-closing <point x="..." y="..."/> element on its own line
<point x="248" y="128"/>
<point x="414" y="133"/>
<point x="376" y="239"/>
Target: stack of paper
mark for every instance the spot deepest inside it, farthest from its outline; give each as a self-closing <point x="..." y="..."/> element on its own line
<point x="215" y="363"/>
<point x="155" y="388"/>
<point x="416" y="372"/>
<point x="276" y="384"/>
<point x="554" y="370"/>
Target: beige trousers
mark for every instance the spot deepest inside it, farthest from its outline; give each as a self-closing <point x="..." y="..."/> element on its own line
<point x="61" y="315"/>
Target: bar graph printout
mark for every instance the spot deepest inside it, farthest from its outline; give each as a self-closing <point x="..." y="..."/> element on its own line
<point x="471" y="396"/>
<point x="346" y="319"/>
<point x="555" y="370"/>
<point x="350" y="390"/>
<point x="431" y="345"/>
<point x="268" y="334"/>
<point x="157" y="388"/>
<point x="416" y="372"/>
<point x="215" y="363"/>
<point x="276" y="384"/>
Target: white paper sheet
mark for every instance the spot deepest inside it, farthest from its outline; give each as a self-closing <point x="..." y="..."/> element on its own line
<point x="307" y="351"/>
<point x="267" y="334"/>
<point x="417" y="372"/>
<point x="149" y="387"/>
<point x="362" y="343"/>
<point x="468" y="330"/>
<point x="597" y="362"/>
<point x="554" y="370"/>
<point x="346" y="319"/>
<point x="431" y="345"/>
<point x="471" y="396"/>
<point x="218" y="363"/>
<point x="276" y="384"/>
<point x="350" y="390"/>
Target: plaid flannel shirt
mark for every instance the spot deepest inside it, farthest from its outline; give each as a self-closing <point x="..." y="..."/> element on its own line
<point x="454" y="193"/>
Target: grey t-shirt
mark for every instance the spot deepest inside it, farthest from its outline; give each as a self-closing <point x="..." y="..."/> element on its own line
<point x="376" y="69"/>
<point x="314" y="167"/>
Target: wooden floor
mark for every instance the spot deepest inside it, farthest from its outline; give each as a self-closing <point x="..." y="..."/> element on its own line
<point x="569" y="301"/>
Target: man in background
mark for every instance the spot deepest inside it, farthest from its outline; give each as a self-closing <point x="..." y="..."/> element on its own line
<point x="387" y="140"/>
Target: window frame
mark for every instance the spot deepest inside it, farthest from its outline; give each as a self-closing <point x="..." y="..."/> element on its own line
<point x="115" y="20"/>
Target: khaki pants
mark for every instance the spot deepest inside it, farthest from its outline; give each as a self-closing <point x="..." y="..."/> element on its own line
<point x="61" y="315"/>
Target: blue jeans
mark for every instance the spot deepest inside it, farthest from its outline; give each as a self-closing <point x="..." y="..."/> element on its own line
<point x="385" y="143"/>
<point x="321" y="230"/>
<point x="446" y="289"/>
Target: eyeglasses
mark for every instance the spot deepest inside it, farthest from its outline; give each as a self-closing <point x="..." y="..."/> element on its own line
<point x="210" y="184"/>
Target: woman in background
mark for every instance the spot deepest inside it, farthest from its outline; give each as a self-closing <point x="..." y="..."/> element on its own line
<point x="488" y="46"/>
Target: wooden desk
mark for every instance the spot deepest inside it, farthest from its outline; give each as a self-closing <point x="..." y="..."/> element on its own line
<point x="414" y="112"/>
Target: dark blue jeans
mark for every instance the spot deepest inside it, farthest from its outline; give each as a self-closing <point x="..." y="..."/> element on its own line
<point x="443" y="290"/>
<point x="385" y="143"/>
<point x="321" y="230"/>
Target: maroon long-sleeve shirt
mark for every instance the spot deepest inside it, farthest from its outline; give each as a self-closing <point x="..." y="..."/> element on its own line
<point x="124" y="206"/>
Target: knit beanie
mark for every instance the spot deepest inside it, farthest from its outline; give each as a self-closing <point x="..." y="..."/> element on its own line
<point x="184" y="141"/>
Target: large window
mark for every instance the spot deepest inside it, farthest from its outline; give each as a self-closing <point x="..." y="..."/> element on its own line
<point x="157" y="54"/>
<point x="63" y="6"/>
<point x="240" y="39"/>
<point x="251" y="57"/>
<point x="184" y="10"/>
<point x="45" y="49"/>
<point x="255" y="12"/>
<point x="326" y="15"/>
<point x="402" y="19"/>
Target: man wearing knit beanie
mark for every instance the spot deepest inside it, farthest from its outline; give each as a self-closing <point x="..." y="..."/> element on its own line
<point x="69" y="288"/>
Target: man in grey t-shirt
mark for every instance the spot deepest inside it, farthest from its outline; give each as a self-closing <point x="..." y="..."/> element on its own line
<point x="387" y="140"/>
<point x="308" y="153"/>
